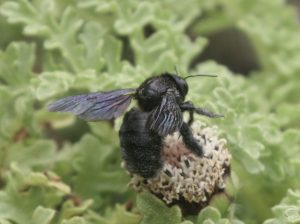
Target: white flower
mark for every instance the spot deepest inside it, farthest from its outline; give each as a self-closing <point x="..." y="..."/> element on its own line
<point x="185" y="177"/>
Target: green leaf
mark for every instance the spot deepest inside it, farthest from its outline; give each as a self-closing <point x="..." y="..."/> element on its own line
<point x="186" y="222"/>
<point x="49" y="84"/>
<point x="63" y="37"/>
<point x="222" y="201"/>
<point x="39" y="154"/>
<point x="75" y="220"/>
<point x="96" y="171"/>
<point x="129" y="22"/>
<point x="289" y="114"/>
<point x="120" y="214"/>
<point x="69" y="210"/>
<point x="92" y="38"/>
<point x="43" y="215"/>
<point x="288" y="210"/>
<point x="112" y="53"/>
<point x="36" y="18"/>
<point x="3" y="221"/>
<point x="157" y="212"/>
<point x="18" y="206"/>
<point x="36" y="196"/>
<point x="209" y="213"/>
<point x="16" y="64"/>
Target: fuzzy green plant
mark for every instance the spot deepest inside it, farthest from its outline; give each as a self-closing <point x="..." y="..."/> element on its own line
<point x="56" y="169"/>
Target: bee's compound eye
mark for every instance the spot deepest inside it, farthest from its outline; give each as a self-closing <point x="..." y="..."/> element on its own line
<point x="181" y="85"/>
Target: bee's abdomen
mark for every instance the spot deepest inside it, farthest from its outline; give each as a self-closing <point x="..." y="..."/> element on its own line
<point x="141" y="148"/>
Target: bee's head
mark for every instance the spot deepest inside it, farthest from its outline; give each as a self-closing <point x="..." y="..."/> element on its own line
<point x="181" y="84"/>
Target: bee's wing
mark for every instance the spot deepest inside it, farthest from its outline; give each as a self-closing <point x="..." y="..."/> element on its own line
<point x="167" y="117"/>
<point x="95" y="106"/>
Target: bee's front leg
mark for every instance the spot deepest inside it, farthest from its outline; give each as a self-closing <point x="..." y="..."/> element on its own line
<point x="189" y="106"/>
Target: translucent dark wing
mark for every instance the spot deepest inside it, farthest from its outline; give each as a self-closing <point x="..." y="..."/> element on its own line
<point x="95" y="106"/>
<point x="167" y="117"/>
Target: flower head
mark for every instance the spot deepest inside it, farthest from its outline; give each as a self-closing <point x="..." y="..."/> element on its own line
<point x="185" y="178"/>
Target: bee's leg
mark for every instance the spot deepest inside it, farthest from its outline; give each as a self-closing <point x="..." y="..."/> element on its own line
<point x="207" y="113"/>
<point x="189" y="106"/>
<point x="189" y="139"/>
<point x="191" y="118"/>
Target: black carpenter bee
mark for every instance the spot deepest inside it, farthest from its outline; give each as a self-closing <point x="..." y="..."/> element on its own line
<point x="159" y="113"/>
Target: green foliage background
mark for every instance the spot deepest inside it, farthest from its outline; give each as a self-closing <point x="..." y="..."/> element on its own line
<point x="57" y="169"/>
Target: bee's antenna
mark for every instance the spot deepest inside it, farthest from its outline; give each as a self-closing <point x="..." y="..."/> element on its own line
<point x="199" y="75"/>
